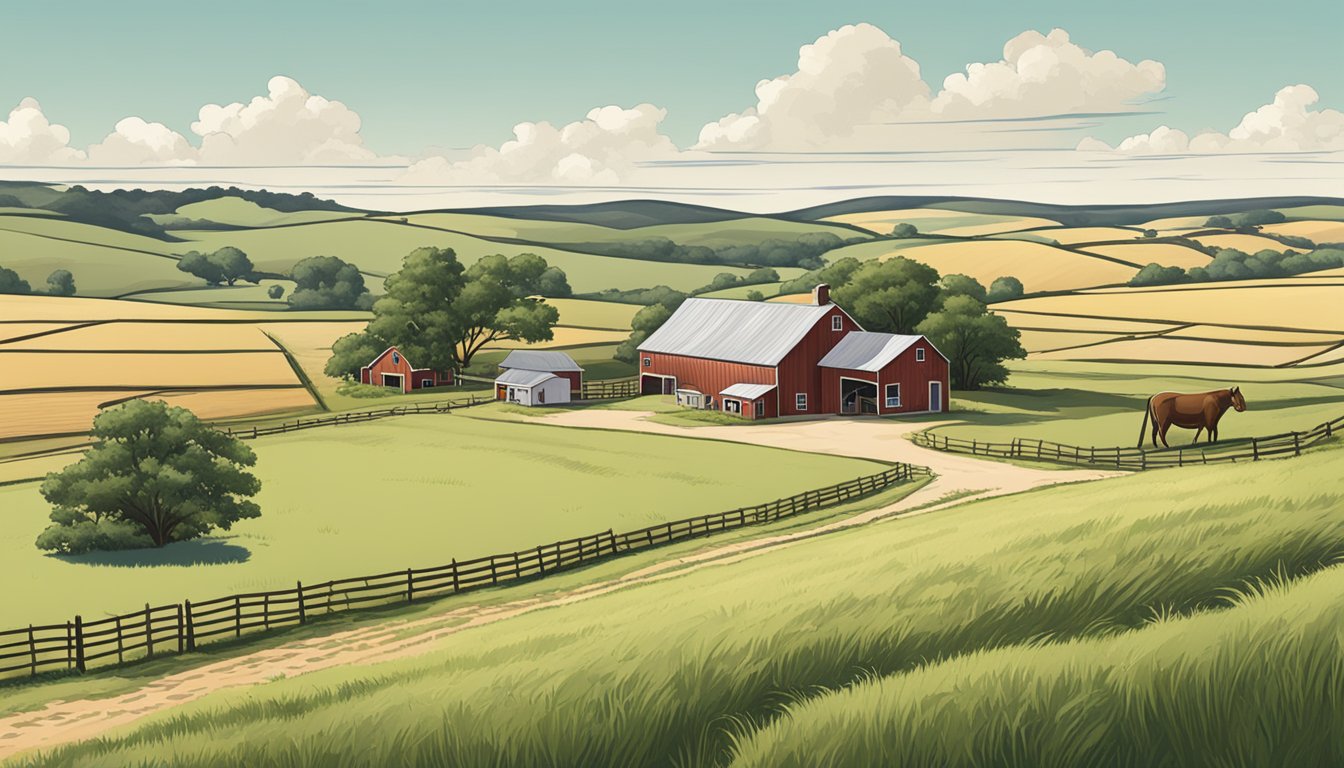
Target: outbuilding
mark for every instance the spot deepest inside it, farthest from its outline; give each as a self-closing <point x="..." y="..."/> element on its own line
<point x="555" y="363"/>
<point x="531" y="388"/>
<point x="883" y="373"/>
<point x="392" y="369"/>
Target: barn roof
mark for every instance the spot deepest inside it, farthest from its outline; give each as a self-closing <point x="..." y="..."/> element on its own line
<point x="520" y="378"/>
<point x="752" y="332"/>
<point x="539" y="360"/>
<point x="865" y="351"/>
<point x="747" y="391"/>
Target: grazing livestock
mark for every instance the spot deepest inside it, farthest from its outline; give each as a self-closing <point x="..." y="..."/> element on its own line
<point x="1200" y="411"/>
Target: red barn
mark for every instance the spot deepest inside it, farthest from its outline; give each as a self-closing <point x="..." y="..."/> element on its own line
<point x="758" y="360"/>
<point x="546" y="361"/>
<point x="392" y="369"/>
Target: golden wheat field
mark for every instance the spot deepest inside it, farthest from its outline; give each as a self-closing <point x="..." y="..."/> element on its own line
<point x="1167" y="349"/>
<point x="149" y="370"/>
<point x="1176" y="222"/>
<point x="1006" y="224"/>
<point x="1247" y="243"/>
<point x="1254" y="335"/>
<point x="1329" y="357"/>
<point x="11" y="331"/>
<point x="1040" y="267"/>
<point x="1041" y="341"/>
<point x="1314" y="230"/>
<point x="1065" y="322"/>
<point x="1074" y="235"/>
<point x="150" y="336"/>
<point x="1166" y="254"/>
<point x="1290" y="306"/>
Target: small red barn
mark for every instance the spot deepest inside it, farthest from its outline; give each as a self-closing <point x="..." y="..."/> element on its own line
<point x="555" y="363"/>
<point x="882" y="373"/>
<point x="392" y="369"/>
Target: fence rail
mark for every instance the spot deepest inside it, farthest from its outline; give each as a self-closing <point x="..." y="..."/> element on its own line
<point x="1139" y="459"/>
<point x="78" y="645"/>
<point x="355" y="417"/>
<point x="610" y="389"/>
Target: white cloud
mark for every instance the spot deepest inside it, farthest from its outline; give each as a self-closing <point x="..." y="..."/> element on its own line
<point x="1287" y="124"/>
<point x="28" y="138"/>
<point x="849" y="77"/>
<point x="287" y="126"/>
<point x="1047" y="75"/>
<point x="599" y="149"/>
<point x="136" y="142"/>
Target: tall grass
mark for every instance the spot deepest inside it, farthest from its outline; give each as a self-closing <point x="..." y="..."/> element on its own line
<point x="676" y="672"/>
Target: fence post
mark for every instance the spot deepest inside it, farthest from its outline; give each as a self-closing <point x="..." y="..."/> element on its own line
<point x="303" y="615"/>
<point x="32" y="651"/>
<point x="79" y="643"/>
<point x="541" y="565"/>
<point x="149" y="633"/>
<point x="266" y="611"/>
<point x="181" y="634"/>
<point x="191" y="626"/>
<point x="1255" y="449"/>
<point x="120" y="644"/>
<point x="1297" y="444"/>
<point x="410" y="585"/>
<point x="494" y="571"/>
<point x="456" y="588"/>
<point x="237" y="616"/>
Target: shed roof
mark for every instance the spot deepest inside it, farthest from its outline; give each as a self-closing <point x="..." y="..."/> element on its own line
<point x="865" y="351"/>
<point x="752" y="332"/>
<point x="518" y="377"/>
<point x="539" y="360"/>
<point x="747" y="391"/>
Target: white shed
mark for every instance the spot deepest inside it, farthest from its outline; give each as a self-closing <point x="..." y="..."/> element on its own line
<point x="531" y="388"/>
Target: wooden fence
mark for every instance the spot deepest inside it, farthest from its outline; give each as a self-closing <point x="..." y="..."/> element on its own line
<point x="175" y="628"/>
<point x="610" y="389"/>
<point x="356" y="417"/>
<point x="1139" y="459"/>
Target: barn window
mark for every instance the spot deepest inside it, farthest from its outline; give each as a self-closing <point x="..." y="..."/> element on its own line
<point x="760" y="407"/>
<point x="837" y="323"/>
<point x="893" y="395"/>
<point x="648" y="361"/>
<point x="800" y="401"/>
<point x="919" y="354"/>
<point x="396" y="358"/>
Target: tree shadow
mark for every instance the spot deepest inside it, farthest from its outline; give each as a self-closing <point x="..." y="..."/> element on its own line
<point x="198" y="552"/>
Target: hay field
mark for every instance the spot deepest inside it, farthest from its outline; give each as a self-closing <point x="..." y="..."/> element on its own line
<point x="1040" y="267"/>
<point x="1166" y="254"/>
<point x="1034" y="341"/>
<point x="1316" y="231"/>
<point x="1066" y="322"/>
<point x="581" y="313"/>
<point x="149" y="336"/>
<point x="1247" y="243"/>
<point x="54" y="309"/>
<point x="1291" y="307"/>
<point x="1175" y="222"/>
<point x="1072" y="235"/>
<point x="1254" y="335"/>
<point x="1164" y="348"/>
<point x="150" y="370"/>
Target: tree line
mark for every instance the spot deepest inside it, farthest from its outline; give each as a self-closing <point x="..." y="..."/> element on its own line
<point x="806" y="251"/>
<point x="59" y="283"/>
<point x="1232" y="264"/>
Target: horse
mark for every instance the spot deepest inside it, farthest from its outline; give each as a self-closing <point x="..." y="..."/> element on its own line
<point x="1200" y="412"/>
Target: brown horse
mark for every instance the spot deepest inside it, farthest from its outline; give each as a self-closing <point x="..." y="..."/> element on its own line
<point x="1200" y="411"/>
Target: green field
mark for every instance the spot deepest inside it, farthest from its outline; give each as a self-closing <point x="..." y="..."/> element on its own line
<point x="409" y="492"/>
<point x="1100" y="404"/>
<point x="234" y="211"/>
<point x="99" y="270"/>
<point x="1104" y="631"/>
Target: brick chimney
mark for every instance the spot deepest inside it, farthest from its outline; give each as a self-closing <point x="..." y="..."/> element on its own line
<point x="821" y="295"/>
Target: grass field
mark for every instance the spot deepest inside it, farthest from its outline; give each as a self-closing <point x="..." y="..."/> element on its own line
<point x="409" y="492"/>
<point x="235" y="211"/>
<point x="1013" y="631"/>
<point x="940" y="221"/>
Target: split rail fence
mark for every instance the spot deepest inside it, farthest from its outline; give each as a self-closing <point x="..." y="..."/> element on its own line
<point x="1139" y="459"/>
<point x="356" y="417"/>
<point x="78" y="645"/>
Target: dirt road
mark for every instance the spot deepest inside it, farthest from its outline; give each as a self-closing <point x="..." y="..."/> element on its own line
<point x="957" y="476"/>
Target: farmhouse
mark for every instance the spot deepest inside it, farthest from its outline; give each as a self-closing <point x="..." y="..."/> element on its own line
<point x="759" y="360"/>
<point x="542" y="361"/>
<point x="392" y="369"/>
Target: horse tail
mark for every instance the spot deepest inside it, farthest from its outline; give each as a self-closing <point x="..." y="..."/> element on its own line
<point x="1147" y="411"/>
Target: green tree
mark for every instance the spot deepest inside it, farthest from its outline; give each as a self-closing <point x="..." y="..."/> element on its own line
<point x="1004" y="288"/>
<point x="154" y="475"/>
<point x="975" y="341"/>
<point x="755" y="296"/>
<point x="10" y="282"/>
<point x="962" y="285"/>
<point x="61" y="283"/>
<point x="1150" y="233"/>
<point x="1219" y="222"/>
<point x="494" y="305"/>
<point x="645" y="322"/>
<point x="275" y="291"/>
<point x="904" y="230"/>
<point x="419" y="311"/>
<point x="352" y="352"/>
<point x="891" y="296"/>
<point x="833" y="275"/>
<point x="326" y="282"/>
<point x="1157" y="274"/>
<point x="234" y="265"/>
<point x="202" y="266"/>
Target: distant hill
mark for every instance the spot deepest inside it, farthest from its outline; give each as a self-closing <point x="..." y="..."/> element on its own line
<point x="1068" y="215"/>
<point x="623" y="214"/>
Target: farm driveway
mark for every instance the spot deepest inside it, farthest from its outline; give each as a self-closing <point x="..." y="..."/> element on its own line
<point x="959" y="479"/>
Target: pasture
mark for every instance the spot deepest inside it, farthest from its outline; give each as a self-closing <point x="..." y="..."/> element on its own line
<point x="1040" y="267"/>
<point x="408" y="492"/>
<point x="917" y="641"/>
<point x="941" y="221"/>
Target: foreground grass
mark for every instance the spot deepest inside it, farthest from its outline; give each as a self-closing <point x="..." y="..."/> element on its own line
<point x="676" y="672"/>
<point x="413" y="491"/>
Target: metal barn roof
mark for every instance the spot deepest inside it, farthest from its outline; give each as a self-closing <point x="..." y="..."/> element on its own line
<point x="865" y="351"/>
<point x="521" y="378"/>
<point x="752" y="332"/>
<point x="747" y="391"/>
<point x="539" y="360"/>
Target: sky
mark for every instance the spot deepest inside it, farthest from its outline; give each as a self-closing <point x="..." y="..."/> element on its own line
<point x="428" y="94"/>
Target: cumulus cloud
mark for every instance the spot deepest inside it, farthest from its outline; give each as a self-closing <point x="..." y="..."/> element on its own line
<point x="1047" y="75"/>
<point x="1287" y="124"/>
<point x="136" y="142"/>
<point x="287" y="126"/>
<point x="599" y="149"/>
<point x="28" y="138"/>
<point x="849" y="77"/>
<point x="856" y="78"/>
